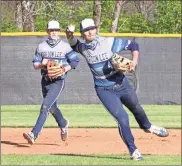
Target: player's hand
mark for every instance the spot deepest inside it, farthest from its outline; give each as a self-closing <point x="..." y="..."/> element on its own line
<point x="55" y="69"/>
<point x="44" y="62"/>
<point x="70" y="31"/>
<point x="133" y="65"/>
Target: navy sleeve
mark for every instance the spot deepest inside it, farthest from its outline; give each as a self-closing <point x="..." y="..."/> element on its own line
<point x="77" y="47"/>
<point x="72" y="58"/>
<point x="123" y="44"/>
<point x="37" y="57"/>
<point x="133" y="46"/>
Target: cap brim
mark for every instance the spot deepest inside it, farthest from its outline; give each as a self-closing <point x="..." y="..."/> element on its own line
<point x="88" y="28"/>
<point x="54" y="28"/>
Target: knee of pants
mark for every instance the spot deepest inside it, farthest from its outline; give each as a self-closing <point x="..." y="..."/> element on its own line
<point x="45" y="109"/>
<point x="51" y="110"/>
<point x="122" y="118"/>
<point x="54" y="109"/>
<point x="136" y="108"/>
<point x="120" y="115"/>
<point x="123" y="121"/>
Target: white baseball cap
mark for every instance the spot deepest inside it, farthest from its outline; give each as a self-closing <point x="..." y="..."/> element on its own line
<point x="87" y="24"/>
<point x="53" y="25"/>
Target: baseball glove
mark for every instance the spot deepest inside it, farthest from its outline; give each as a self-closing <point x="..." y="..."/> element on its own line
<point x="54" y="69"/>
<point x="120" y="63"/>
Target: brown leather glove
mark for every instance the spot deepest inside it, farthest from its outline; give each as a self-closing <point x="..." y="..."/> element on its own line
<point x="55" y="69"/>
<point x="120" y="63"/>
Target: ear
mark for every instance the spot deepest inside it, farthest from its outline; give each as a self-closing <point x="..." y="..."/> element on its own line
<point x="82" y="35"/>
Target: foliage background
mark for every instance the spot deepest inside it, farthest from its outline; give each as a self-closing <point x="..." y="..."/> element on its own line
<point x="163" y="18"/>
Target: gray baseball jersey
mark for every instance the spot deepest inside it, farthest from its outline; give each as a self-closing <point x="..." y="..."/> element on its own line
<point x="58" y="50"/>
<point x="98" y="55"/>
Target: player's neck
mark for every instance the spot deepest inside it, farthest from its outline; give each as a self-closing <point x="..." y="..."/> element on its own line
<point x="53" y="42"/>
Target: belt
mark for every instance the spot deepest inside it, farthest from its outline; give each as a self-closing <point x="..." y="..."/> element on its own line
<point x="51" y="80"/>
<point x="114" y="87"/>
<point x="105" y="76"/>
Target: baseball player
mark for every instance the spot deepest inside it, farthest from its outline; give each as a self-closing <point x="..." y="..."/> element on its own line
<point x="112" y="87"/>
<point x="52" y="51"/>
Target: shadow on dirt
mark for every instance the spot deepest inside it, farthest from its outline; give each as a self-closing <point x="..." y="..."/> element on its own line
<point x="14" y="143"/>
<point x="82" y="155"/>
<point x="25" y="145"/>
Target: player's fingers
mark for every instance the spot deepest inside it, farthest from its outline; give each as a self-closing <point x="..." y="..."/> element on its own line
<point x="132" y="68"/>
<point x="54" y="67"/>
<point x="45" y="61"/>
<point x="70" y="30"/>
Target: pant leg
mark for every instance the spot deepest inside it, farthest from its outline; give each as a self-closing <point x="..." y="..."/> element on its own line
<point x="130" y="100"/>
<point x="51" y="92"/>
<point x="113" y="104"/>
<point x="58" y="116"/>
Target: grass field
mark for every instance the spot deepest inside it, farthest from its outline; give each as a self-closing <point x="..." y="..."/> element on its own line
<point x="88" y="160"/>
<point x="88" y="116"/>
<point x="91" y="116"/>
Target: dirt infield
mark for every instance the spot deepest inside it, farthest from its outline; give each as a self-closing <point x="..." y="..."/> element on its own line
<point x="88" y="141"/>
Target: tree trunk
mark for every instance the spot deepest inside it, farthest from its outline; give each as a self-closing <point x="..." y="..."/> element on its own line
<point x="146" y="8"/>
<point x="28" y="16"/>
<point x="97" y="13"/>
<point x="117" y="10"/>
<point x="18" y="15"/>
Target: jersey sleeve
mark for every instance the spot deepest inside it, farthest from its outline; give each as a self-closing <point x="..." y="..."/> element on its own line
<point x="76" y="45"/>
<point x="72" y="58"/>
<point x="123" y="44"/>
<point x="37" y="57"/>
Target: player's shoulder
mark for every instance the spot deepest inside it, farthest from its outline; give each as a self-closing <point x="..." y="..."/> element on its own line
<point x="103" y="38"/>
<point x="106" y="40"/>
<point x="42" y="43"/>
<point x="65" y="43"/>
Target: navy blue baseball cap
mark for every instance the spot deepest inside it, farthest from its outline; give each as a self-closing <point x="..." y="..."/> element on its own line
<point x="87" y="24"/>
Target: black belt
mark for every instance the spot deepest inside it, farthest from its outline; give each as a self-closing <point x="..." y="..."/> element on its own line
<point x="52" y="80"/>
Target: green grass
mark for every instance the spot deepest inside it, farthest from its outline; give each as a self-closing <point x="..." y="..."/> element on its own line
<point x="88" y="160"/>
<point x="88" y="116"/>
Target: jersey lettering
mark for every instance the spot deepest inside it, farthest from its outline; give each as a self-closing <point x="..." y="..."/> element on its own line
<point x="52" y="54"/>
<point x="97" y="58"/>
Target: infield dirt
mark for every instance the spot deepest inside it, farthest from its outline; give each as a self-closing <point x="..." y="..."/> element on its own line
<point x="88" y="141"/>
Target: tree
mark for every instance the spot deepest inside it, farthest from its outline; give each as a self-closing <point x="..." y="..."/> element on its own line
<point x="97" y="10"/>
<point x="28" y="15"/>
<point x="25" y="15"/>
<point x="167" y="17"/>
<point x="18" y="15"/>
<point x="146" y="8"/>
<point x="7" y="16"/>
<point x="117" y="10"/>
<point x="140" y="16"/>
